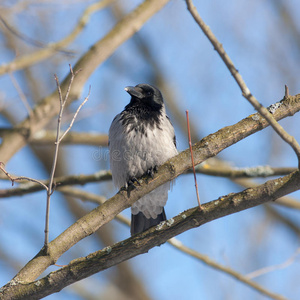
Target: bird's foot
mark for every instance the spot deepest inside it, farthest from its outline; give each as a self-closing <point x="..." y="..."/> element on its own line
<point x="132" y="181"/>
<point x="130" y="186"/>
<point x="151" y="171"/>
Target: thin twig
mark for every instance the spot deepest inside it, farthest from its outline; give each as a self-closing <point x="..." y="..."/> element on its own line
<point x="62" y="181"/>
<point x="208" y="261"/>
<point x="192" y="158"/>
<point x="269" y="269"/>
<point x="50" y="190"/>
<point x="286" y="91"/>
<point x="13" y="179"/>
<point x="75" y="115"/>
<point x="241" y="83"/>
<point x="248" y="172"/>
<point x="62" y="101"/>
<point x="21" y="93"/>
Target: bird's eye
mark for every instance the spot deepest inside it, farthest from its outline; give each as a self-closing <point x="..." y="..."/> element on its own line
<point x="149" y="93"/>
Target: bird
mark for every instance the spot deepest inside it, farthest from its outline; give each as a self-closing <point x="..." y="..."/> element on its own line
<point x="141" y="138"/>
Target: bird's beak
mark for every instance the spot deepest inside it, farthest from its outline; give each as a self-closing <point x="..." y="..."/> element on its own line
<point x="134" y="91"/>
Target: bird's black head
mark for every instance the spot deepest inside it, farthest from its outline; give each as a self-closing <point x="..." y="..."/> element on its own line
<point x="145" y="95"/>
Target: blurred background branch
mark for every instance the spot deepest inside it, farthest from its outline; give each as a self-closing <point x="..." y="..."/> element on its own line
<point x="169" y="52"/>
<point x="51" y="49"/>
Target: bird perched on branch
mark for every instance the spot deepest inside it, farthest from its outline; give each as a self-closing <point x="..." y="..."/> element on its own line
<point x="141" y="138"/>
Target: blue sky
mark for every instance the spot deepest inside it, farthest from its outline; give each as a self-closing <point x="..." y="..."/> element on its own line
<point x="264" y="51"/>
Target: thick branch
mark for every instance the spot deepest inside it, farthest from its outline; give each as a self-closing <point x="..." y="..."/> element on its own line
<point x="181" y="247"/>
<point x="100" y="260"/>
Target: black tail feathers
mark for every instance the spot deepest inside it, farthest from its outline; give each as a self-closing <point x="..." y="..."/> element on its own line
<point x="140" y="223"/>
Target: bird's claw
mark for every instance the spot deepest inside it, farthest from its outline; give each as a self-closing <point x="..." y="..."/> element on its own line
<point x="151" y="171"/>
<point x="132" y="181"/>
<point x="130" y="185"/>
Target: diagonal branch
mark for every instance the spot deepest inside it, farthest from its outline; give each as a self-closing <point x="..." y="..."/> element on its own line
<point x="59" y="138"/>
<point x="74" y="117"/>
<point x="83" y="195"/>
<point x="247" y="126"/>
<point x="264" y="112"/>
<point x="227" y="270"/>
<point x="268" y="269"/>
<point x="48" y="50"/>
<point x="100" y="260"/>
<point x="206" y="148"/>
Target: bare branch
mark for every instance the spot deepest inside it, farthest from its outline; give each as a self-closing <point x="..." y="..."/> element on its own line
<point x="13" y="179"/>
<point x="21" y="94"/>
<point x="269" y="269"/>
<point x="175" y="243"/>
<point x="138" y="244"/>
<point x="83" y="195"/>
<point x="264" y="112"/>
<point x="49" y="50"/>
<point x="75" y="115"/>
<point x="206" y="148"/>
<point x="63" y="102"/>
<point x="44" y="137"/>
<point x="23" y="189"/>
<point x="208" y="261"/>
<point x="286" y="91"/>
<point x="192" y="157"/>
<point x="248" y="172"/>
<point x="181" y="247"/>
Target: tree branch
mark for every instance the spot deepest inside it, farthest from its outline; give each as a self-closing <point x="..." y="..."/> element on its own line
<point x="269" y="269"/>
<point x="27" y="188"/>
<point x="100" y="260"/>
<point x="264" y="112"/>
<point x="48" y="137"/>
<point x="59" y="137"/>
<point x="246" y="279"/>
<point x="206" y="148"/>
<point x="248" y="172"/>
<point x="289" y="106"/>
<point x="35" y="57"/>
<point x="238" y="276"/>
